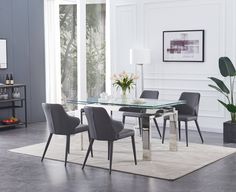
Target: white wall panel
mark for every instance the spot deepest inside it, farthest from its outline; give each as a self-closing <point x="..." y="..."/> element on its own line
<point x="142" y="22"/>
<point x="125" y="35"/>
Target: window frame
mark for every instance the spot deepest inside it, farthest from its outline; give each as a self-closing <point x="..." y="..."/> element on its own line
<point x="52" y="48"/>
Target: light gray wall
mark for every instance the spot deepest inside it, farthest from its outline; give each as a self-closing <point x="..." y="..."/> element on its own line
<point x="22" y="24"/>
<point x="140" y="24"/>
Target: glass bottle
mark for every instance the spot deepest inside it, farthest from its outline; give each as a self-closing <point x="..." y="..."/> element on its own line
<point x="7" y="82"/>
<point x="11" y="79"/>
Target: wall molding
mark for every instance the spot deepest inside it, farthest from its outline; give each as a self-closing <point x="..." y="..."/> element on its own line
<point x="170" y="78"/>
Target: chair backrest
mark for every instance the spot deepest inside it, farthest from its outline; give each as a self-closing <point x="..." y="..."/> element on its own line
<point x="100" y="125"/>
<point x="58" y="120"/>
<point x="192" y="103"/>
<point x="148" y="94"/>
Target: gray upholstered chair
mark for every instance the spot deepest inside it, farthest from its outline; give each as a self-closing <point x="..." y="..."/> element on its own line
<point x="186" y="112"/>
<point x="60" y="123"/>
<point x="137" y="112"/>
<point x="103" y="128"/>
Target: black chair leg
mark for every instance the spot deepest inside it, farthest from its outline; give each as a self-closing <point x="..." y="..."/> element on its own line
<point x="111" y="153"/>
<point x="140" y="127"/>
<point x="123" y="119"/>
<point x="67" y="148"/>
<point x="88" y="151"/>
<point x="46" y="147"/>
<point x="155" y="121"/>
<point x="111" y="113"/>
<point x="199" y="131"/>
<point x="89" y="141"/>
<point x="186" y="132"/>
<point x="108" y="150"/>
<point x="134" y="150"/>
<point x="164" y="130"/>
<point x="179" y="125"/>
<point x="81" y="116"/>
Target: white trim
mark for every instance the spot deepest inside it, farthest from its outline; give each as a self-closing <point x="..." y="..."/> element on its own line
<point x="52" y="51"/>
<point x="108" y="47"/>
<point x="52" y="48"/>
<point x="81" y="48"/>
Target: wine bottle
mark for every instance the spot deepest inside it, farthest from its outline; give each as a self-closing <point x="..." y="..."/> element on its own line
<point x="11" y="80"/>
<point x="7" y="82"/>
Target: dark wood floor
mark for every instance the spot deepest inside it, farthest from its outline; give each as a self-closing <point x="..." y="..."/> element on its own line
<point x="23" y="173"/>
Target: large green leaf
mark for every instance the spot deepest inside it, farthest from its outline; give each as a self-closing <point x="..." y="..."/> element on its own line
<point x="226" y="67"/>
<point x="216" y="88"/>
<point x="223" y="103"/>
<point x="230" y="107"/>
<point x="220" y="84"/>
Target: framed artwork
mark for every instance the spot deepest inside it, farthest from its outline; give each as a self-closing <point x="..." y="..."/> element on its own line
<point x="3" y="53"/>
<point x="183" y="46"/>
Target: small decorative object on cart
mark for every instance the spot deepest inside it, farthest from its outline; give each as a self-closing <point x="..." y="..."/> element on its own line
<point x="16" y="93"/>
<point x="3" y="94"/>
<point x="12" y="120"/>
<point x="124" y="81"/>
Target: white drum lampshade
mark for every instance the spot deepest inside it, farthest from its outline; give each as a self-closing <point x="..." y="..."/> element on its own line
<point x="140" y="56"/>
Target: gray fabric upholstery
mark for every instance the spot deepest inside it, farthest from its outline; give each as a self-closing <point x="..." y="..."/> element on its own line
<point x="133" y="114"/>
<point x="102" y="127"/>
<point x="186" y="112"/>
<point x="132" y="109"/>
<point x="59" y="122"/>
<point x="80" y="128"/>
<point x="184" y="117"/>
<point x="192" y="103"/>
<point x="125" y="133"/>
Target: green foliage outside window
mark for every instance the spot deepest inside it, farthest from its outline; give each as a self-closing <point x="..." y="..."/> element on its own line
<point x="95" y="48"/>
<point x="68" y="43"/>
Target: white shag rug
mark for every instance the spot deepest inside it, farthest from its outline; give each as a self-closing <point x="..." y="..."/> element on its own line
<point x="164" y="164"/>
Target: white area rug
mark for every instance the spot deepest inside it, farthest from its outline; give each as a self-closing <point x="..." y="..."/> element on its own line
<point x="165" y="164"/>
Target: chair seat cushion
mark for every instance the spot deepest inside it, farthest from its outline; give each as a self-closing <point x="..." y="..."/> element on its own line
<point x="81" y="128"/>
<point x="132" y="109"/>
<point x="125" y="133"/>
<point x="132" y="114"/>
<point x="182" y="117"/>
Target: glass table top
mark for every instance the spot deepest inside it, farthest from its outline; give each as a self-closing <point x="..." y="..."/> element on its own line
<point x="139" y="103"/>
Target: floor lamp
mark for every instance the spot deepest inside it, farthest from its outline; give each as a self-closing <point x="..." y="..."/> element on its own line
<point x="140" y="57"/>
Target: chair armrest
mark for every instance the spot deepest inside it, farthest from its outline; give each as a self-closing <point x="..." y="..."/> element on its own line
<point x="117" y="125"/>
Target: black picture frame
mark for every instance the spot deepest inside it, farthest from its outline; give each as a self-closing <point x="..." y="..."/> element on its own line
<point x="183" y="46"/>
<point x="3" y="53"/>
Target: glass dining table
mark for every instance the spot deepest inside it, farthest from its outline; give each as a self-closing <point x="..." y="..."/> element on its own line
<point x="154" y="108"/>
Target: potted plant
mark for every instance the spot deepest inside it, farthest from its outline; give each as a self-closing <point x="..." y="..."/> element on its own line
<point x="124" y="81"/>
<point x="227" y="70"/>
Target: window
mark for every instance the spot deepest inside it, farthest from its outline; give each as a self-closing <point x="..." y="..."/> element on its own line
<point x="75" y="49"/>
<point x="95" y="49"/>
<point x="68" y="49"/>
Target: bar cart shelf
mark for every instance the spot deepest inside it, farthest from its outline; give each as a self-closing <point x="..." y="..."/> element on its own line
<point x="11" y="102"/>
